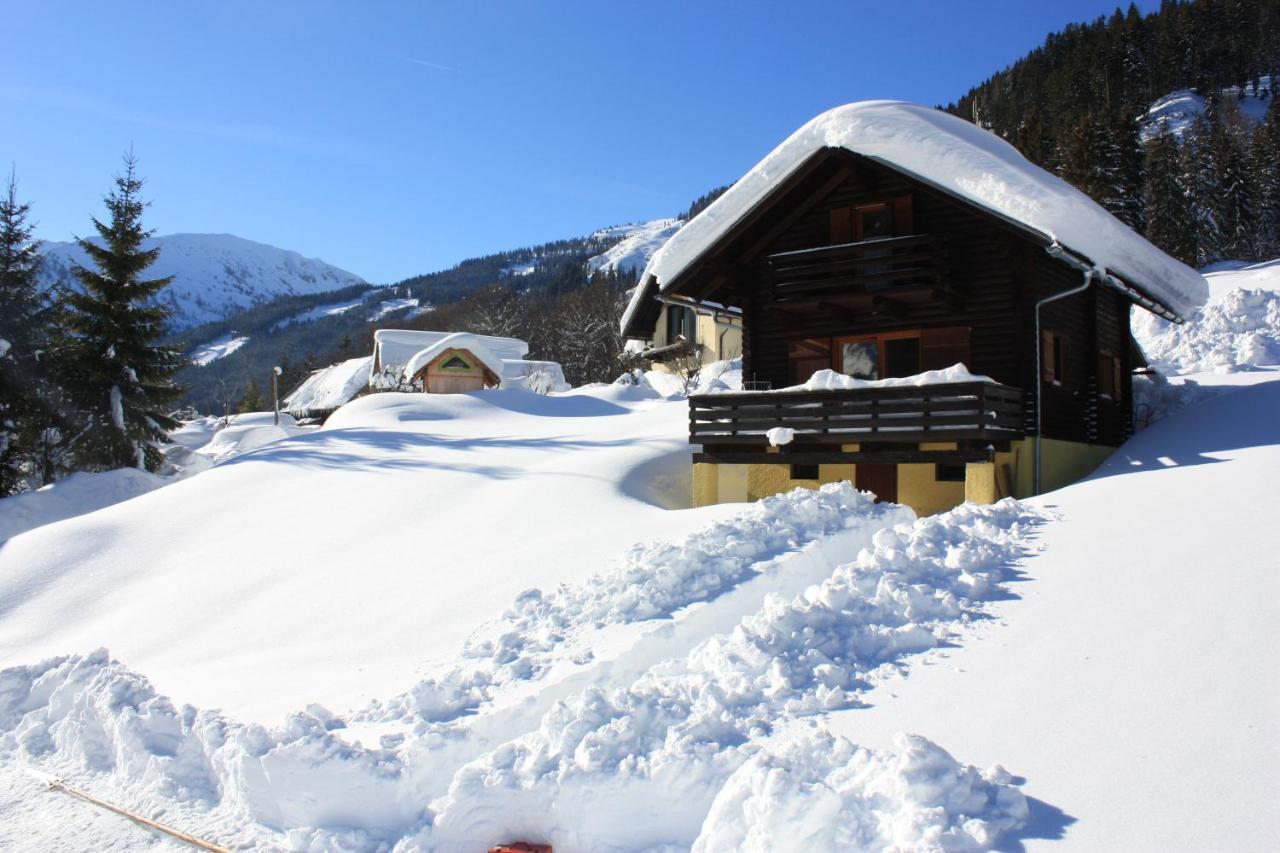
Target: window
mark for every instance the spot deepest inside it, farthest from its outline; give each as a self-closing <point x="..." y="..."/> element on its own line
<point x="804" y="472"/>
<point x="1053" y="357"/>
<point x="901" y="357"/>
<point x="947" y="473"/>
<point x="1110" y="377"/>
<point x="455" y="362"/>
<point x="885" y="218"/>
<point x="681" y="323"/>
<point x="860" y="359"/>
<point x="872" y="221"/>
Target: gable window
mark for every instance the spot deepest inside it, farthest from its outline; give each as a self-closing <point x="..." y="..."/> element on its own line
<point x="681" y="323"/>
<point x="455" y="362"/>
<point x="872" y="220"/>
<point x="1110" y="377"/>
<point x="1053" y="357"/>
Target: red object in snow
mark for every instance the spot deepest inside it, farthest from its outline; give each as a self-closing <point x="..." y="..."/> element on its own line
<point x="521" y="847"/>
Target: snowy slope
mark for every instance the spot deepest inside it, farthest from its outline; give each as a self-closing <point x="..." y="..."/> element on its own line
<point x="742" y="680"/>
<point x="1140" y="648"/>
<point x="220" y="347"/>
<point x="1177" y="110"/>
<point x="216" y="275"/>
<point x="637" y="244"/>
<point x="395" y="500"/>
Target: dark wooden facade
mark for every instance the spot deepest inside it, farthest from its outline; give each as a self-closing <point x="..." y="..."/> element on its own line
<point x="960" y="280"/>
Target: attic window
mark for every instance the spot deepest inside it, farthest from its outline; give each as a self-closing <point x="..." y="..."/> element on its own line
<point x="455" y="362"/>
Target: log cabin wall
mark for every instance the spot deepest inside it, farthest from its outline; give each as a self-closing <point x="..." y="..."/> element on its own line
<point x="981" y="265"/>
<point x="1095" y="322"/>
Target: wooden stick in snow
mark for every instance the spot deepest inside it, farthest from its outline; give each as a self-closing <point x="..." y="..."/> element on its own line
<point x="56" y="784"/>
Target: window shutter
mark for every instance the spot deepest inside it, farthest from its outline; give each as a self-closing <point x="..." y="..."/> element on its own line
<point x="841" y="225"/>
<point x="941" y="348"/>
<point x="1117" y="368"/>
<point x="902" y="216"/>
<point x="1046" y="356"/>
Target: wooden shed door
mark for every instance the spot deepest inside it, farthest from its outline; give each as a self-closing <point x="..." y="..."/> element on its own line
<point x="881" y="480"/>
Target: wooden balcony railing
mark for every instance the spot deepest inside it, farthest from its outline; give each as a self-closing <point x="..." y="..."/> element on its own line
<point x="969" y="412"/>
<point x="882" y="265"/>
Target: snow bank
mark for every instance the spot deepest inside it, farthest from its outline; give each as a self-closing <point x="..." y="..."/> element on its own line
<point x="653" y="581"/>
<point x="329" y="388"/>
<point x="74" y="495"/>
<point x="821" y="792"/>
<point x="1237" y="331"/>
<point x="246" y="432"/>
<point x="961" y="159"/>
<point x="540" y="377"/>
<point x="600" y="764"/>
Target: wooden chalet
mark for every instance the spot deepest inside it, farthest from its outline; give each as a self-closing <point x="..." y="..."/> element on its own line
<point x="852" y="262"/>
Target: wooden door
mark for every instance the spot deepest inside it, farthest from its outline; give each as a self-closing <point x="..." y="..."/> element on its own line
<point x="881" y="480"/>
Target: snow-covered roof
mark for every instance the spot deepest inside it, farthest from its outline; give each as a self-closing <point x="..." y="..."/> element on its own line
<point x="392" y="348"/>
<point x="957" y="158"/>
<point x="474" y="344"/>
<point x="328" y="388"/>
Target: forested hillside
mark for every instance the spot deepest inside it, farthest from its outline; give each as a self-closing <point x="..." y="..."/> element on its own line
<point x="1080" y="106"/>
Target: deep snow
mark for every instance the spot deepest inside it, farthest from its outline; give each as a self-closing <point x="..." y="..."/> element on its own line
<point x="483" y="628"/>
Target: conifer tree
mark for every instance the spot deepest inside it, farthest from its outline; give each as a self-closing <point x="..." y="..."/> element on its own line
<point x="121" y="380"/>
<point x="1265" y="168"/>
<point x="252" y="399"/>
<point x="22" y="313"/>
<point x="1232" y="201"/>
<point x="1166" y="199"/>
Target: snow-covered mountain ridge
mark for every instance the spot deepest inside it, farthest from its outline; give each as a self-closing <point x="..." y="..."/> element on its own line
<point x="216" y="275"/>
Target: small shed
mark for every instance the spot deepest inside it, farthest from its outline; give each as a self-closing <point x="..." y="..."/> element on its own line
<point x="455" y="364"/>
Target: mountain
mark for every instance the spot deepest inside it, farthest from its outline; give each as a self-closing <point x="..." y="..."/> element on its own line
<point x="637" y="244"/>
<point x="216" y="275"/>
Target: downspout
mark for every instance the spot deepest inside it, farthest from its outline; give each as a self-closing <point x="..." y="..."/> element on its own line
<point x="1056" y="251"/>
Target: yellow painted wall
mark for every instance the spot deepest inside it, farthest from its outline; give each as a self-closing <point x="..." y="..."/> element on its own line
<point x="1011" y="474"/>
<point x="720" y="337"/>
<point x="1063" y="463"/>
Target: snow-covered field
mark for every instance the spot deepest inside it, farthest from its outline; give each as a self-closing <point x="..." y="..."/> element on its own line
<point x="637" y="244"/>
<point x="443" y="622"/>
<point x="218" y="348"/>
<point x="1177" y="111"/>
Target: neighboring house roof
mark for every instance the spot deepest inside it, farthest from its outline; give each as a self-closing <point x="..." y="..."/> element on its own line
<point x="961" y="160"/>
<point x="392" y="348"/>
<point x="473" y="344"/>
<point x="329" y="388"/>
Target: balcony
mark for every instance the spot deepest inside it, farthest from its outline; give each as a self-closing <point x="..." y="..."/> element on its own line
<point x="888" y="265"/>
<point x="887" y="423"/>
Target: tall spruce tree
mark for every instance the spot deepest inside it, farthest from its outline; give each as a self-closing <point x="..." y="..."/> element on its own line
<point x="122" y="381"/>
<point x="22" y="313"/>
<point x="1265" y="168"/>
<point x="1166" y="198"/>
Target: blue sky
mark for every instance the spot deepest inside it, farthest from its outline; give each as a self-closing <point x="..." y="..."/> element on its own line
<point x="395" y="138"/>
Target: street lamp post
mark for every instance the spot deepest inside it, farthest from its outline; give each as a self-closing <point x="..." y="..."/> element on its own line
<point x="275" y="393"/>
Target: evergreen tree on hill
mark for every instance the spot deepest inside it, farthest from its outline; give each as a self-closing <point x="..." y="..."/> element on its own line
<point x="1165" y="198"/>
<point x="252" y="399"/>
<point x="22" y="314"/>
<point x="119" y="377"/>
<point x="1265" y="169"/>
